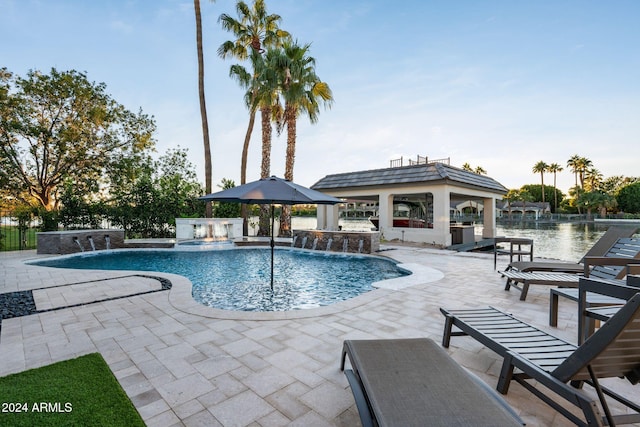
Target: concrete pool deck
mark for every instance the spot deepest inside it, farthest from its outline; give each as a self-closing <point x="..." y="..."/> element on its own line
<point x="187" y="365"/>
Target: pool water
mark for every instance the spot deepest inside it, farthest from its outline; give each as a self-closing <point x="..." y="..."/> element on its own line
<point x="239" y="279"/>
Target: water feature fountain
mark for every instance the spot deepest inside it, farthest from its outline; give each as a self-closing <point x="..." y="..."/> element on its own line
<point x="360" y="245"/>
<point x="315" y="243"/>
<point x="293" y="242"/>
<point x="345" y="244"/>
<point x="91" y="243"/>
<point x="304" y="242"/>
<point x="107" y="241"/>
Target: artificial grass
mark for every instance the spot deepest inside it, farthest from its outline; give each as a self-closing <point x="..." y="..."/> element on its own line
<point x="76" y="392"/>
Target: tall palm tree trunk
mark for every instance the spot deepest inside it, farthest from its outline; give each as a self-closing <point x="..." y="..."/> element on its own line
<point x="290" y="120"/>
<point x="265" y="168"/>
<point x="555" y="194"/>
<point x="243" y="170"/>
<point x="203" y="109"/>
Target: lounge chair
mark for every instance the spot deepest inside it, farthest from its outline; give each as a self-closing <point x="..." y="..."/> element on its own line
<point x="414" y="382"/>
<point x="599" y="293"/>
<point x="610" y="266"/>
<point x="599" y="248"/>
<point x="612" y="351"/>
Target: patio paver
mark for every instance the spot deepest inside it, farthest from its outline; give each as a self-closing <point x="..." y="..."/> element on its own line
<point x="186" y="365"/>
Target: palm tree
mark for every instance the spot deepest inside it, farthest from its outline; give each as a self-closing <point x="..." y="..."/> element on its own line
<point x="208" y="172"/>
<point x="593" y="178"/>
<point x="467" y="167"/>
<point x="254" y="30"/>
<point x="302" y="91"/>
<point x="583" y="165"/>
<point x="555" y="168"/>
<point x="574" y="164"/>
<point x="541" y="167"/>
<point x="480" y="170"/>
<point x="511" y="195"/>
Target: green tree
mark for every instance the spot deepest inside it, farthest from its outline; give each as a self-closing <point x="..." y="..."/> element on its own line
<point x="302" y="91"/>
<point x="225" y="209"/>
<point x="60" y="127"/>
<point x="146" y="196"/>
<point x="208" y="169"/>
<point x="541" y="167"/>
<point x="628" y="198"/>
<point x="613" y="184"/>
<point x="555" y="168"/>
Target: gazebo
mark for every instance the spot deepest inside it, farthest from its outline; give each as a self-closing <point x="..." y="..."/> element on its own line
<point x="414" y="201"/>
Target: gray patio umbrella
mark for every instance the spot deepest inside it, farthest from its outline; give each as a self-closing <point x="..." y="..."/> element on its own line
<point x="273" y="191"/>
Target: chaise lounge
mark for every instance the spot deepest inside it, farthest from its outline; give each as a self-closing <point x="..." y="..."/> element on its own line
<point x="611" y="266"/>
<point x="599" y="249"/>
<point x="612" y="351"/>
<point x="414" y="382"/>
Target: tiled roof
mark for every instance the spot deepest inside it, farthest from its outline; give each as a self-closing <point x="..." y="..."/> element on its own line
<point x="431" y="172"/>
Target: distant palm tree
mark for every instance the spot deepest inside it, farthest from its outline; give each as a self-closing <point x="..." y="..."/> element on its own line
<point x="541" y="167"/>
<point x="593" y="179"/>
<point x="574" y="164"/>
<point x="208" y="170"/>
<point x="511" y="195"/>
<point x="583" y="165"/>
<point x="467" y="167"/>
<point x="555" y="168"/>
<point x="480" y="170"/>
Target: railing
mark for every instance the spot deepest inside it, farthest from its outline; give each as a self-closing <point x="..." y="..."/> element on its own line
<point x="420" y="160"/>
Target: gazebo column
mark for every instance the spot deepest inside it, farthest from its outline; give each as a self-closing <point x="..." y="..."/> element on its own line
<point x="441" y="220"/>
<point x="321" y="217"/>
<point x="327" y="217"/>
<point x="489" y="218"/>
<point x="385" y="211"/>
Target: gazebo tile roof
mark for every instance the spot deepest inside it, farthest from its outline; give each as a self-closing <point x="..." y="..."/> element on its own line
<point x="431" y="172"/>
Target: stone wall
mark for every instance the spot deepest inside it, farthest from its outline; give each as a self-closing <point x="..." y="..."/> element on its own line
<point x="356" y="242"/>
<point x="72" y="241"/>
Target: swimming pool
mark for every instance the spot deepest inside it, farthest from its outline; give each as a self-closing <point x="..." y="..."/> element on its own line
<point x="238" y="279"/>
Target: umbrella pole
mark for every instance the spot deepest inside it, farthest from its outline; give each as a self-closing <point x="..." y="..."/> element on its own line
<point x="272" y="244"/>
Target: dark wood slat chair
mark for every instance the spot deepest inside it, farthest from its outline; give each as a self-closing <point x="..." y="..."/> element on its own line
<point x="600" y="296"/>
<point x="611" y="266"/>
<point x="599" y="248"/>
<point x="560" y="366"/>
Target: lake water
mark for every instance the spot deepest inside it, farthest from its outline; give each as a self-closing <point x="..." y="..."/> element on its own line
<point x="562" y="241"/>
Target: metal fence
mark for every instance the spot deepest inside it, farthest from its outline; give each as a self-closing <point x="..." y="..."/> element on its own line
<point x="17" y="231"/>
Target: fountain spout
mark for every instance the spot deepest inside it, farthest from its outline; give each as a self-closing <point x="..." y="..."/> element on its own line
<point x="107" y="241"/>
<point x="293" y="242"/>
<point x="75" y="239"/>
<point x="91" y="242"/>
<point x="304" y="242"/>
<point x="315" y="243"/>
<point x="360" y="245"/>
<point x="345" y="244"/>
<point x="329" y="242"/>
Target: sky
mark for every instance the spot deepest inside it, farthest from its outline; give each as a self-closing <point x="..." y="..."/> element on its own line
<point x="500" y="85"/>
